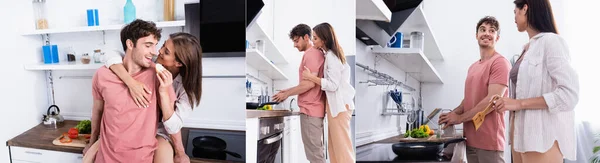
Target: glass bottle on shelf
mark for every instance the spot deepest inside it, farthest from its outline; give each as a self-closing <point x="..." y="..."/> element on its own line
<point x="169" y="10"/>
<point x="129" y="12"/>
<point x="85" y="58"/>
<point x="39" y="8"/>
<point x="97" y="56"/>
<point x="71" y="55"/>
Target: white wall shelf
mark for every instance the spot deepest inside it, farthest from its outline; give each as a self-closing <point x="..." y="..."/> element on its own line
<point x="256" y="32"/>
<point x="373" y="10"/>
<point x="165" y="24"/>
<point x="258" y="61"/>
<point x="418" y="22"/>
<point x="412" y="61"/>
<point x="63" y="66"/>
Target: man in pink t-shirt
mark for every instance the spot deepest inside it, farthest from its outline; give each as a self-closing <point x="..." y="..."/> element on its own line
<point x="311" y="99"/>
<point x="486" y="77"/>
<point x="126" y="132"/>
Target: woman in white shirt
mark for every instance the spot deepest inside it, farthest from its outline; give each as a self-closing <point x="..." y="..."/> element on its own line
<point x="544" y="90"/>
<point x="181" y="55"/>
<point x="339" y="92"/>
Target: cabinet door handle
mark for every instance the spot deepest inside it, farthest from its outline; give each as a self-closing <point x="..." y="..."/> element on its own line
<point x="80" y="157"/>
<point x="35" y="153"/>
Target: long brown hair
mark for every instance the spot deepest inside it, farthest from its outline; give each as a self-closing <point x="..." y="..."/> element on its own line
<point x="189" y="53"/>
<point x="325" y="32"/>
<point x="539" y="15"/>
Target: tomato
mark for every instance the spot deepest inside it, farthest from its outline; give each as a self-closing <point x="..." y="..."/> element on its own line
<point x="73" y="133"/>
<point x="65" y="139"/>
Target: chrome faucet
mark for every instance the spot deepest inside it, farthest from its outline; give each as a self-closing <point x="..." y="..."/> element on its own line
<point x="291" y="102"/>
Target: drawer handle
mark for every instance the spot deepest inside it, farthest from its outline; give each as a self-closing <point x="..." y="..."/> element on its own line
<point x="79" y="157"/>
<point x="35" y="153"/>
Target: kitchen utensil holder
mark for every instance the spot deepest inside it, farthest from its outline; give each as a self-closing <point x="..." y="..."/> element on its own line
<point x="382" y="78"/>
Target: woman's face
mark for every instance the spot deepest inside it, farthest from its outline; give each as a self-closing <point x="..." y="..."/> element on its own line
<point x="521" y="18"/>
<point x="166" y="57"/>
<point x="317" y="41"/>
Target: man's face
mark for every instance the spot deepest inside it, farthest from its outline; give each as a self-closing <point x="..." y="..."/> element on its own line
<point x="301" y="43"/>
<point x="144" y="50"/>
<point x="487" y="35"/>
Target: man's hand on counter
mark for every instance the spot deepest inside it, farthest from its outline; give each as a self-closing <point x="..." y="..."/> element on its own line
<point x="86" y="148"/>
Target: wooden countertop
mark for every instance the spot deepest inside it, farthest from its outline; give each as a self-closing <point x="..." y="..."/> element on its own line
<point x="251" y="113"/>
<point x="39" y="137"/>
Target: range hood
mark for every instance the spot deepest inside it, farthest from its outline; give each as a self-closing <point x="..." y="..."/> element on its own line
<point x="376" y="32"/>
<point x="253" y="7"/>
<point x="207" y="20"/>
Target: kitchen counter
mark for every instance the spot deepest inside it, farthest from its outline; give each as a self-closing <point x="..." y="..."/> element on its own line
<point x="251" y="113"/>
<point x="39" y="137"/>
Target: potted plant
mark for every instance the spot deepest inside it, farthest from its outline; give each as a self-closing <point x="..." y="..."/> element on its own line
<point x="596" y="156"/>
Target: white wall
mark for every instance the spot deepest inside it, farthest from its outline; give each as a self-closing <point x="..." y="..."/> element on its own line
<point x="453" y="23"/>
<point x="289" y="13"/>
<point x="22" y="92"/>
<point x="371" y="125"/>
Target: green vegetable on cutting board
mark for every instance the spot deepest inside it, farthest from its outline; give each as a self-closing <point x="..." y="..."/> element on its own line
<point x="417" y="133"/>
<point x="84" y="127"/>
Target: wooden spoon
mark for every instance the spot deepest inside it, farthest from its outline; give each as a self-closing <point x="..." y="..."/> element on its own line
<point x="480" y="116"/>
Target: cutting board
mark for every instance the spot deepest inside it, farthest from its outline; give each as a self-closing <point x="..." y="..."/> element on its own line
<point x="430" y="138"/>
<point x="81" y="141"/>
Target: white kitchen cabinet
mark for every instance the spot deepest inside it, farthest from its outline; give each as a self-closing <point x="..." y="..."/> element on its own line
<point x="251" y="139"/>
<point x="22" y="154"/>
<point x="287" y="143"/>
<point x="297" y="146"/>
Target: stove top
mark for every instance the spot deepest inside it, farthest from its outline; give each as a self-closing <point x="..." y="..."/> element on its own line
<point x="382" y="152"/>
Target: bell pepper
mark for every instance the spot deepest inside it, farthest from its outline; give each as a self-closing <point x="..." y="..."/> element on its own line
<point x="73" y="133"/>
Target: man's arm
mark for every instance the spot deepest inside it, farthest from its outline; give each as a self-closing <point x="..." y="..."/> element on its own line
<point x="460" y="109"/>
<point x="96" y="119"/>
<point x="493" y="89"/>
<point x="302" y="87"/>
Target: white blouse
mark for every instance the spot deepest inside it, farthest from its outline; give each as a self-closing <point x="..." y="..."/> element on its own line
<point x="546" y="71"/>
<point x="336" y="84"/>
<point x="183" y="108"/>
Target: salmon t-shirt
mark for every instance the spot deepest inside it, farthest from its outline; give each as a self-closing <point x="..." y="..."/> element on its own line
<point x="490" y="135"/>
<point x="312" y="102"/>
<point x="127" y="132"/>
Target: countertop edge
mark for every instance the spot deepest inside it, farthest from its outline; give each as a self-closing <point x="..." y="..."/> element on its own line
<point x="269" y="113"/>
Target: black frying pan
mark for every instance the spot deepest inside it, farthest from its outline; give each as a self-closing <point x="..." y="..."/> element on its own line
<point x="256" y="105"/>
<point x="422" y="148"/>
<point x="212" y="144"/>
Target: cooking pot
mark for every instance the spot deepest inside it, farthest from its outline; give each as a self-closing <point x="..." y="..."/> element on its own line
<point x="53" y="119"/>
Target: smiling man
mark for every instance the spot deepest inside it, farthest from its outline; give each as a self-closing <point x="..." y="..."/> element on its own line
<point x="487" y="77"/>
<point x="126" y="132"/>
